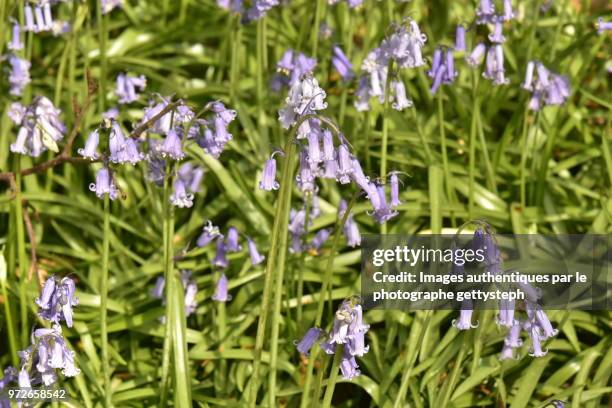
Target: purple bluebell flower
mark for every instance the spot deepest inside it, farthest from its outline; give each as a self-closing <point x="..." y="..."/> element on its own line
<point x="235" y="6"/>
<point x="535" y="333"/>
<point x="351" y="230"/>
<point x="310" y="338"/>
<point x="476" y="56"/>
<point x="256" y="257"/>
<point x="400" y="101"/>
<point x="220" y="259"/>
<point x="506" y="313"/>
<point x="268" y="181"/>
<point x="603" y="25"/>
<point x="319" y="239"/>
<point x="30" y="25"/>
<point x="349" y="366"/>
<point x="497" y="35"/>
<point x="306" y="177"/>
<point x="328" y="145"/>
<point x="465" y="317"/>
<point x="156" y="169"/>
<point x="382" y="213"/>
<point x="221" y="294"/>
<point x="342" y="64"/>
<point x="438" y="79"/>
<point x="558" y="404"/>
<point x="547" y="88"/>
<point x="538" y="317"/>
<point x="314" y="156"/>
<point x="15" y="44"/>
<point x="91" y="146"/>
<point x="507" y="353"/>
<point x="436" y="62"/>
<point x="19" y="76"/>
<point x="191" y="290"/>
<point x="104" y="184"/>
<point x="494" y="67"/>
<point x="345" y="165"/>
<point x="191" y="176"/>
<point x="292" y="66"/>
<point x="394" y="184"/>
<point x="126" y="87"/>
<point x="24" y="379"/>
<point x="112" y="113"/>
<point x="231" y="242"/>
<point x="460" y="38"/>
<point x="209" y="234"/>
<point x="508" y="11"/>
<point x="171" y="147"/>
<point x="158" y="290"/>
<point x="110" y="5"/>
<point x="180" y="197"/>
<point x="485" y="12"/>
<point x="513" y="338"/>
<point x="449" y="61"/>
<point x="260" y="8"/>
<point x="305" y="97"/>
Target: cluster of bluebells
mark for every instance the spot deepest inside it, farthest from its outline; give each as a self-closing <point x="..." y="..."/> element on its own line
<point x="546" y="87"/>
<point x="224" y="245"/>
<point x="351" y="3"/>
<point x="297" y="228"/>
<point x="292" y="66"/>
<point x="402" y="47"/>
<point x="442" y="68"/>
<point x="257" y="10"/>
<point x="536" y="324"/>
<point x="39" y="18"/>
<point x="174" y="128"/>
<point x="19" y="75"/>
<point x="127" y="85"/>
<point x="40" y="127"/>
<point x="347" y="336"/>
<point x="320" y="156"/>
<point x="189" y="285"/>
<point x="49" y="350"/>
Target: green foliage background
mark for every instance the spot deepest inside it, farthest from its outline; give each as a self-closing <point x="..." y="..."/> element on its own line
<point x="194" y="50"/>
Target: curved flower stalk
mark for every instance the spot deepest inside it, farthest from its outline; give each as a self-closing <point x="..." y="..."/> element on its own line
<point x="402" y="47"/>
<point x="189" y="285"/>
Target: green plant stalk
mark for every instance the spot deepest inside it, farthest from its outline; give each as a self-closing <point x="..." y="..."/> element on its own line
<point x="167" y="349"/>
<point x="10" y="325"/>
<point x="523" y="164"/>
<point x="485" y="155"/>
<point x="235" y="67"/>
<point x="278" y="289"/>
<point x="447" y="175"/>
<point x="319" y="11"/>
<point x="284" y="194"/>
<point x="385" y="133"/>
<point x="455" y="373"/>
<point x="333" y="377"/>
<point x="349" y="49"/>
<point x="21" y="269"/>
<point x="102" y="39"/>
<point x="300" y="284"/>
<point x="259" y="90"/>
<point x="103" y="304"/>
<point x="428" y="155"/>
<point x="314" y="352"/>
<point x="222" y="332"/>
<point x="412" y="356"/>
<point x="472" y="147"/>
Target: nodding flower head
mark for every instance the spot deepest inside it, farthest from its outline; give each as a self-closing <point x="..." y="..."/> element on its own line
<point x="494" y="67"/>
<point x="497" y="35"/>
<point x="476" y="56"/>
<point x="547" y="87"/>
<point x="268" y="181"/>
<point x="127" y="85"/>
<point x="221" y="294"/>
<point x="292" y="66"/>
<point x="508" y="11"/>
<point x="460" y="38"/>
<point x="603" y="25"/>
<point x="16" y="44"/>
<point x="180" y="197"/>
<point x="310" y="338"/>
<point x="220" y="259"/>
<point x="57" y="299"/>
<point x="91" y="146"/>
<point x="256" y="257"/>
<point x="342" y="64"/>
<point x="351" y="230"/>
<point x="104" y="184"/>
<point x="231" y="242"/>
<point x="465" y="316"/>
<point x="400" y="100"/>
<point x="209" y="234"/>
<point x="394" y="184"/>
<point x="40" y="127"/>
<point x="485" y="13"/>
<point x="110" y="5"/>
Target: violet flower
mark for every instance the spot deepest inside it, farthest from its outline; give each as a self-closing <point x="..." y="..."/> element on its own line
<point x="191" y="290"/>
<point x="508" y="11"/>
<point x="342" y="64"/>
<point x="305" y="97"/>
<point x="494" y="67"/>
<point x="57" y="299"/>
<point x="319" y="239"/>
<point x="220" y="259"/>
<point x="171" y="146"/>
<point x="292" y="66"/>
<point x="268" y="181"/>
<point x="19" y="76"/>
<point x="476" y="56"/>
<point x="497" y="35"/>
<point x="231" y="242"/>
<point x="180" y="197"/>
<point x="548" y="88"/>
<point x="485" y="13"/>
<point x="465" y="317"/>
<point x="110" y="5"/>
<point x="256" y="257"/>
<point x="40" y="127"/>
<point x="104" y="184"/>
<point x="221" y="294"/>
<point x="603" y="25"/>
<point x="90" y="151"/>
<point x="394" y="184"/>
<point x="15" y="44"/>
<point x="460" y="38"/>
<point x="351" y="230"/>
<point x="209" y="234"/>
<point x="260" y="8"/>
<point x="310" y="338"/>
<point x="126" y="87"/>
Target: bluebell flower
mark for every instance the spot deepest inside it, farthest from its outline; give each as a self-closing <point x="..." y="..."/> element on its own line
<point x="547" y="88"/>
<point x="231" y="242"/>
<point x="394" y="186"/>
<point x="191" y="290"/>
<point x="485" y="13"/>
<point x="603" y="25"/>
<point x="506" y="313"/>
<point x="260" y="8"/>
<point x="126" y="87"/>
<point x="19" y="76"/>
<point x="437" y="60"/>
<point x="305" y="97"/>
<point x="400" y="100"/>
<point x="57" y="300"/>
<point x="494" y="66"/>
<point x="90" y="151"/>
<point x="350" y="230"/>
<point x="345" y="165"/>
<point x="158" y="290"/>
<point x="268" y="181"/>
<point x="40" y="127"/>
<point x="221" y="294"/>
<point x="256" y="257"/>
<point x="104" y="184"/>
<point x="508" y="11"/>
<point x="209" y="234"/>
<point x="465" y="316"/>
<point x="110" y="5"/>
<point x="342" y="64"/>
<point x="192" y="176"/>
<point x="497" y="35"/>
<point x="476" y="56"/>
<point x="460" y="38"/>
<point x="536" y="336"/>
<point x="220" y="259"/>
<point x="292" y="66"/>
<point x="15" y="44"/>
<point x="305" y="178"/>
<point x="320" y="238"/>
<point x="171" y="146"/>
<point x="310" y="338"/>
<point x="180" y="197"/>
<point x="314" y="156"/>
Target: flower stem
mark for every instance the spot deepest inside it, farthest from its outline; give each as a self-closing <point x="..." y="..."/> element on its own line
<point x="300" y="284"/>
<point x="102" y="38"/>
<point x="167" y="350"/>
<point x="319" y="11"/>
<point x="20" y="270"/>
<point x="447" y="174"/>
<point x="103" y="303"/>
<point x="472" y="146"/>
<point x="333" y="377"/>
<point x="385" y="133"/>
<point x="280" y="224"/>
<point x="259" y="91"/>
